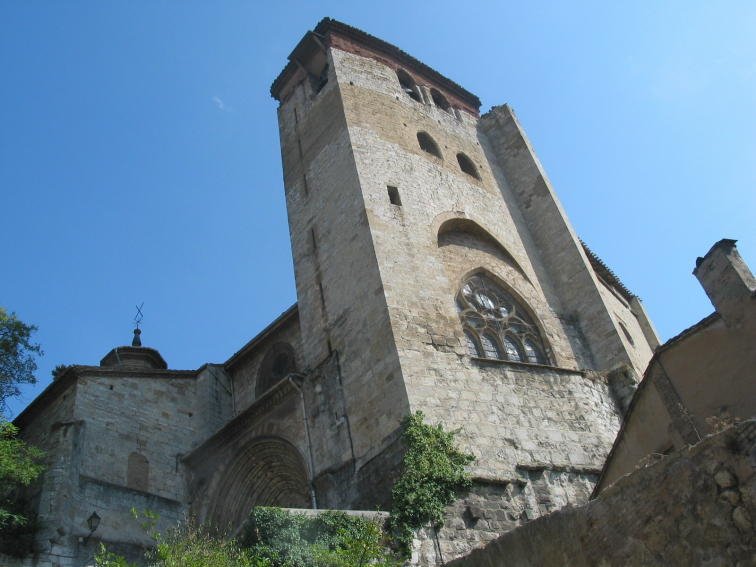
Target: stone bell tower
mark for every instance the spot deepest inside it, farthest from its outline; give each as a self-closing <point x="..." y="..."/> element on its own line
<point x="437" y="268"/>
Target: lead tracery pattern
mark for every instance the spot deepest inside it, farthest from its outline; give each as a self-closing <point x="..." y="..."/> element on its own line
<point x="496" y="325"/>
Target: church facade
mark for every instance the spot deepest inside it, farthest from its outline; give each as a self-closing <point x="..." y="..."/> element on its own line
<point x="436" y="271"/>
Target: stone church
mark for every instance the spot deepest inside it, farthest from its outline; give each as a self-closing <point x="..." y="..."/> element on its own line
<point x="435" y="270"/>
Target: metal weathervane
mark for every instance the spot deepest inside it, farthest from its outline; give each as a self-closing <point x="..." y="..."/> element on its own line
<point x="137" y="342"/>
<point x="139" y="315"/>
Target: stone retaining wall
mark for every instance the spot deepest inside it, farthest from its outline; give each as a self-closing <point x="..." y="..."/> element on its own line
<point x="693" y="507"/>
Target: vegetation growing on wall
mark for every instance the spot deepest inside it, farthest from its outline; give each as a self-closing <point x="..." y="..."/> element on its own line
<point x="433" y="475"/>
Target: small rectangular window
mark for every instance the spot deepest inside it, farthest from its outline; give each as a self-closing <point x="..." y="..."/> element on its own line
<point x="394" y="198"/>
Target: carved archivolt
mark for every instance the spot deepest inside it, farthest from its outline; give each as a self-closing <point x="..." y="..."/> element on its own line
<point x="268" y="471"/>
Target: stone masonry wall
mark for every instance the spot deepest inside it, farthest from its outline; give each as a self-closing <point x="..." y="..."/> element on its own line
<point x="152" y="416"/>
<point x="340" y="294"/>
<point x="635" y="341"/>
<point x="693" y="507"/>
<point x="554" y="240"/>
<point x="247" y="371"/>
<point x="509" y="415"/>
<point x="55" y="431"/>
<point x="105" y="422"/>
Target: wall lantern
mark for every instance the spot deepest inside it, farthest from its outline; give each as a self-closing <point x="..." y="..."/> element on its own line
<point x="93" y="523"/>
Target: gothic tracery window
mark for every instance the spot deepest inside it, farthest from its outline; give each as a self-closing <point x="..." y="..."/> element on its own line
<point x="496" y="324"/>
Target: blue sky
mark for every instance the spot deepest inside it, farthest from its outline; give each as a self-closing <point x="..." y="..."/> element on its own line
<point x="139" y="156"/>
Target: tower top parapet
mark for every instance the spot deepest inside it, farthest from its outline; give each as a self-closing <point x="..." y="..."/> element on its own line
<point x="309" y="52"/>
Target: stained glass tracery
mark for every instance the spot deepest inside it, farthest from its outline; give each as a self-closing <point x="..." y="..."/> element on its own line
<point x="496" y="324"/>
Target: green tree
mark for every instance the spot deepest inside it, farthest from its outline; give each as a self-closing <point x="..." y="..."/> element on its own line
<point x="59" y="371"/>
<point x="20" y="464"/>
<point x="17" y="356"/>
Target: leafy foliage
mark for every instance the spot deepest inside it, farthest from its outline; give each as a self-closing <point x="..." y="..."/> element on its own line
<point x="271" y="538"/>
<point x="330" y="539"/>
<point x="105" y="558"/>
<point x="20" y="463"/>
<point x="59" y="370"/>
<point x="19" y="466"/>
<point x="186" y="545"/>
<point x="17" y="352"/>
<point x="195" y="546"/>
<point x="433" y="475"/>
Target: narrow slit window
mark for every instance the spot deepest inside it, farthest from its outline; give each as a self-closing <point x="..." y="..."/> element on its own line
<point x="467" y="165"/>
<point x="394" y="198"/>
<point x="428" y="144"/>
<point x="440" y="100"/>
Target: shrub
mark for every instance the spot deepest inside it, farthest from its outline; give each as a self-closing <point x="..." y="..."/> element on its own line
<point x="330" y="539"/>
<point x="271" y="538"/>
<point x="433" y="475"/>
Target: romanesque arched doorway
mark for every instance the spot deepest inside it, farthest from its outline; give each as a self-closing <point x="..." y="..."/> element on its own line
<point x="266" y="472"/>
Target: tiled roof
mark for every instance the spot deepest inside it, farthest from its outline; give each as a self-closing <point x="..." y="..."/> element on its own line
<point x="606" y="274"/>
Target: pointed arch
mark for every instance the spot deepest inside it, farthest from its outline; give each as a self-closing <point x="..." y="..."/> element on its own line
<point x="267" y="471"/>
<point x="490" y="345"/>
<point x="278" y="363"/>
<point x="468" y="233"/>
<point x="493" y="315"/>
<point x="471" y="343"/>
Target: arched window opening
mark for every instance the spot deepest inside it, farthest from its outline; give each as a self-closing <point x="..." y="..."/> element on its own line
<point x="490" y="348"/>
<point x="493" y="318"/>
<point x="440" y="100"/>
<point x="533" y="353"/>
<point x="320" y="81"/>
<point x="472" y="344"/>
<point x="278" y="363"/>
<point x="513" y="353"/>
<point x="428" y="144"/>
<point x="408" y="85"/>
<point x="467" y="165"/>
<point x="627" y="334"/>
<point x="138" y="472"/>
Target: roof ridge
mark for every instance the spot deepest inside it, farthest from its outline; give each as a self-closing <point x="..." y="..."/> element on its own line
<point x="606" y="273"/>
